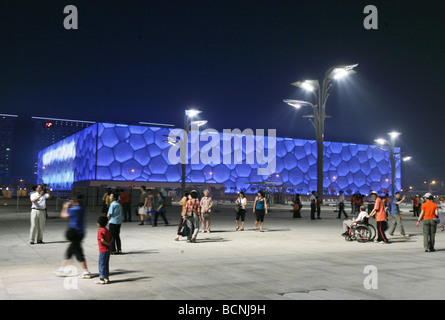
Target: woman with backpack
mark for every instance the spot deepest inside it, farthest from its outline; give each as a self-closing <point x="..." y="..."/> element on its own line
<point x="297" y="206"/>
<point x="193" y="216"/>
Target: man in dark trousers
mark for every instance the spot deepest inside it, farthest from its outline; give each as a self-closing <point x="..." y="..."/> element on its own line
<point x="379" y="212"/>
<point x="125" y="201"/>
<point x="341" y="205"/>
<point x="313" y="200"/>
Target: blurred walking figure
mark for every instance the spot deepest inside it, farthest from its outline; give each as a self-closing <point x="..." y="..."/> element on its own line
<point x="241" y="214"/>
<point x="115" y="221"/>
<point x="318" y="207"/>
<point x="297" y="206"/>
<point x="313" y="200"/>
<point x="160" y="210"/>
<point x="416" y="207"/>
<point x="441" y="206"/>
<point x="260" y="210"/>
<point x="429" y="214"/>
<point x="149" y="203"/>
<point x="182" y="221"/>
<point x="142" y="211"/>
<point x="193" y="216"/>
<point x="206" y="206"/>
<point x="76" y="213"/>
<point x="38" y="214"/>
<point x="125" y="201"/>
<point x="106" y="201"/>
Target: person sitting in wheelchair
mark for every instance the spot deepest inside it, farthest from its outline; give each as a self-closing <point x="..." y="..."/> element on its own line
<point x="360" y="219"/>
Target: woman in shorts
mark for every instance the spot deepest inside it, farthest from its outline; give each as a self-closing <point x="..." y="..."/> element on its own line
<point x="260" y="210"/>
<point x="242" y="202"/>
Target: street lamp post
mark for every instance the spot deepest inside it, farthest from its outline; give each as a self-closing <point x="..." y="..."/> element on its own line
<point x="393" y="156"/>
<point x="187" y="123"/>
<point x="321" y="94"/>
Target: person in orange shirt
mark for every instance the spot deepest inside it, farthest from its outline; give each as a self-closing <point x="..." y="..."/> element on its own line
<point x="353" y="204"/>
<point x="125" y="201"/>
<point x="379" y="212"/>
<point x="415" y="201"/>
<point x="429" y="213"/>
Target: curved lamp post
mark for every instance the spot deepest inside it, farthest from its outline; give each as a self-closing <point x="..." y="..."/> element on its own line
<point x="393" y="157"/>
<point x="321" y="94"/>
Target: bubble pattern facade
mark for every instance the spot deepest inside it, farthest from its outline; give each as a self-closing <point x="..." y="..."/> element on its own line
<point x="113" y="152"/>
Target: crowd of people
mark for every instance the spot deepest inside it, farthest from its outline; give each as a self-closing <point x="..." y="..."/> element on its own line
<point x="196" y="215"/>
<point x="387" y="211"/>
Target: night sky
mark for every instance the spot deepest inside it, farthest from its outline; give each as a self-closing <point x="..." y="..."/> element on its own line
<point x="132" y="61"/>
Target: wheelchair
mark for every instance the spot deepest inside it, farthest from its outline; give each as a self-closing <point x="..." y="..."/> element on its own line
<point x="362" y="232"/>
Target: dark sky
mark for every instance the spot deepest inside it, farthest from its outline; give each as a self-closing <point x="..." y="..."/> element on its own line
<point x="148" y="60"/>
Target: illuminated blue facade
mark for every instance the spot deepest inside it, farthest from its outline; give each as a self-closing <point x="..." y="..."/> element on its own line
<point x="113" y="152"/>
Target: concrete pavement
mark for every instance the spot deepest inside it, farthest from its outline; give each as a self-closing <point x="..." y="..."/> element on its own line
<point x="292" y="259"/>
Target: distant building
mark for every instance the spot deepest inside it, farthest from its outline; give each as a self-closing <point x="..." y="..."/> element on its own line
<point x="7" y="123"/>
<point x="48" y="131"/>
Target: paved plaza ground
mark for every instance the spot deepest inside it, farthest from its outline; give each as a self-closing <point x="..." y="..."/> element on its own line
<point x="293" y="259"/>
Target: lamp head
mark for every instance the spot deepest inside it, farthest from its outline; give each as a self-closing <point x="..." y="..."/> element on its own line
<point x="293" y="103"/>
<point x="394" y="134"/>
<point x="309" y="85"/>
<point x="381" y="141"/>
<point x="342" y="71"/>
<point x="192" y="112"/>
<point x="198" y="123"/>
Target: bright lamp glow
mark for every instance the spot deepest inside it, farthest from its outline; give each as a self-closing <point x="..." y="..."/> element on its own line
<point x="192" y="112"/>
<point x="293" y="103"/>
<point x="394" y="134"/>
<point x="406" y="158"/>
<point x="198" y="123"/>
<point x="342" y="71"/>
<point x="340" y="74"/>
<point x="381" y="141"/>
<point x="307" y="86"/>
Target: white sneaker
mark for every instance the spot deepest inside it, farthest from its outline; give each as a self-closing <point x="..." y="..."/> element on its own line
<point x="61" y="272"/>
<point x="85" y="275"/>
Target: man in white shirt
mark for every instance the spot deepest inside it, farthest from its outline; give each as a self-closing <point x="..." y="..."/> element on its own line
<point x="313" y="200"/>
<point x="38" y="214"/>
<point x="361" y="217"/>
<point x="341" y="205"/>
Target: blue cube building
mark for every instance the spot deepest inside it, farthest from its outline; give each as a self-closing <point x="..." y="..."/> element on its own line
<point x="114" y="152"/>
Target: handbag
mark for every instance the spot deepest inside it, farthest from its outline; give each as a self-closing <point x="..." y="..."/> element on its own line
<point x="184" y="231"/>
<point x="238" y="206"/>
